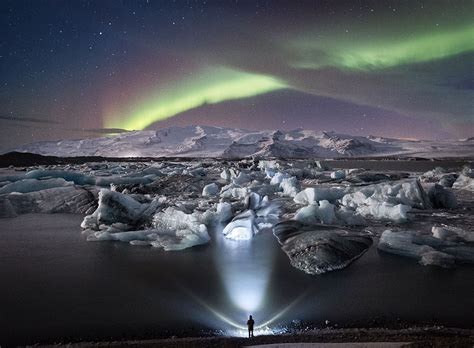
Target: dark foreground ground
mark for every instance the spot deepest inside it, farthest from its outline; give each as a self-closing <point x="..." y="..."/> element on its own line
<point x="412" y="337"/>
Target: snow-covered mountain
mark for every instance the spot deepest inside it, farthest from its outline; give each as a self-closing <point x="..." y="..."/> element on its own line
<point x="206" y="141"/>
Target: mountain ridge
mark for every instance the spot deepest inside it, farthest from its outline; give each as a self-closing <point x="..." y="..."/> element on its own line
<point x="223" y="142"/>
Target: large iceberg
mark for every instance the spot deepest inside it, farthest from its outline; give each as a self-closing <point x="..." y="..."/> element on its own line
<point x="67" y="199"/>
<point x="115" y="207"/>
<point x="171" y="230"/>
<point x="320" y="249"/>
<point x="428" y="249"/>
<point x="31" y="185"/>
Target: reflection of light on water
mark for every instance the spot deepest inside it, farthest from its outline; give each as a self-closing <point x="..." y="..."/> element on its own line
<point x="245" y="270"/>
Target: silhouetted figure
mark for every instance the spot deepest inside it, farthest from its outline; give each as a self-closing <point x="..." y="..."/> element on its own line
<point x="250" y="324"/>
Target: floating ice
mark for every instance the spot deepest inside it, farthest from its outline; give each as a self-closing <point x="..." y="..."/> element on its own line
<point x="464" y="182"/>
<point x="210" y="190"/>
<point x="437" y="258"/>
<point x="315" y="194"/>
<point x="314" y="213"/>
<point x="338" y="174"/>
<point x="172" y="230"/>
<point x="290" y="186"/>
<point x="241" y="179"/>
<point x="427" y="249"/>
<point x="31" y="185"/>
<point x="452" y="233"/>
<point x="320" y="249"/>
<point x="234" y="191"/>
<point x="117" y="207"/>
<point x="441" y="197"/>
<point x="242" y="226"/>
<point x="384" y="211"/>
<point x="178" y="230"/>
<point x="67" y="199"/>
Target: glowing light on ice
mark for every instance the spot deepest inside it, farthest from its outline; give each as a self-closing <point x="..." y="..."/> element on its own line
<point x="246" y="282"/>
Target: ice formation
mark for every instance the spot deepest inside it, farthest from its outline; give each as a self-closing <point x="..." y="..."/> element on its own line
<point x="324" y="212"/>
<point x="171" y="230"/>
<point x="210" y="190"/>
<point x="315" y="194"/>
<point x="172" y="205"/>
<point x="464" y="182"/>
<point x="67" y="199"/>
<point x="32" y="185"/>
<point x="242" y="226"/>
<point x="320" y="249"/>
<point x="115" y="207"/>
<point x="429" y="250"/>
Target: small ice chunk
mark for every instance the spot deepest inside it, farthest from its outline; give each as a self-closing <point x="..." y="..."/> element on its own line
<point x="313" y="214"/>
<point x="401" y="243"/>
<point x="338" y="174"/>
<point x="384" y="211"/>
<point x="464" y="182"/>
<point x="241" y="179"/>
<point x="441" y="197"/>
<point x="226" y="174"/>
<point x="315" y="194"/>
<point x="290" y="186"/>
<point x="242" y="226"/>
<point x="452" y="234"/>
<point x="348" y="216"/>
<point x="117" y="207"/>
<point x="210" y="190"/>
<point x="437" y="258"/>
<point x="278" y="178"/>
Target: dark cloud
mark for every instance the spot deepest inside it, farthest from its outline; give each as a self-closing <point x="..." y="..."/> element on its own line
<point x="27" y="119"/>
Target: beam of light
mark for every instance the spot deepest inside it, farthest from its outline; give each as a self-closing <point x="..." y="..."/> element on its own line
<point x="208" y="87"/>
<point x="245" y="271"/>
<point x="241" y="330"/>
<point x="379" y="55"/>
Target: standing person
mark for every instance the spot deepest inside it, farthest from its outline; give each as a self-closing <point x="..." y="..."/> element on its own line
<point x="250" y="324"/>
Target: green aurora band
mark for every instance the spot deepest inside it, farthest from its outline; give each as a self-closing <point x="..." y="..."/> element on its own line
<point x="208" y="87"/>
<point x="380" y="55"/>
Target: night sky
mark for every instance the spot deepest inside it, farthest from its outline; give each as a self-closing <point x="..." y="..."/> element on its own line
<point x="76" y="69"/>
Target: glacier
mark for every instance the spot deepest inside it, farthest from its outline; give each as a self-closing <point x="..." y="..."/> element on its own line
<point x="323" y="217"/>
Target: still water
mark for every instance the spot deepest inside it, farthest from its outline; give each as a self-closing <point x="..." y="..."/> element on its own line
<point x="55" y="286"/>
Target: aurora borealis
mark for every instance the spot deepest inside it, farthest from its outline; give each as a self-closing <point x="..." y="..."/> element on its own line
<point x="84" y="68"/>
<point x="210" y="87"/>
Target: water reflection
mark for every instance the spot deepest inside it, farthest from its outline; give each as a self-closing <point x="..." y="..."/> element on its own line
<point x="245" y="267"/>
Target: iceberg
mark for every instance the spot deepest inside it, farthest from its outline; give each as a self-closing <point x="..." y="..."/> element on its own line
<point x="429" y="250"/>
<point x="242" y="226"/>
<point x="210" y="190"/>
<point x="315" y="194"/>
<point x="320" y="249"/>
<point x="67" y="199"/>
<point x="115" y="207"/>
<point x="172" y="230"/>
<point x="313" y="214"/>
<point x="464" y="182"/>
<point x="31" y="185"/>
<point x="384" y="211"/>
